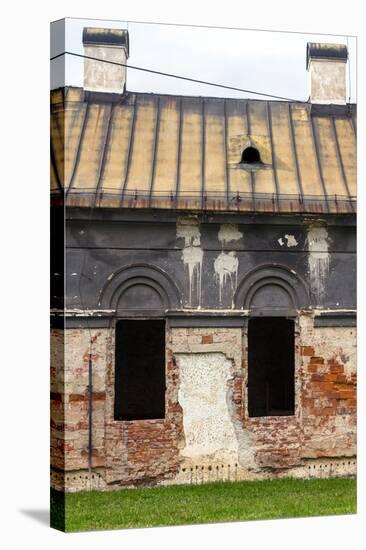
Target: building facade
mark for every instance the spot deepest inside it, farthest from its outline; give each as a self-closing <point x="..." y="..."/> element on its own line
<point x="204" y="311"/>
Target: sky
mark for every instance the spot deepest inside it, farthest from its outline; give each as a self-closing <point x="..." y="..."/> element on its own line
<point x="261" y="61"/>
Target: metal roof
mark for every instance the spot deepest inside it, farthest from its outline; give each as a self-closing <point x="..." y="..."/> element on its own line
<point x="162" y="151"/>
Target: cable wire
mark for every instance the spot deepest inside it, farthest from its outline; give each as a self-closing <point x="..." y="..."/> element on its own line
<point x="160" y="73"/>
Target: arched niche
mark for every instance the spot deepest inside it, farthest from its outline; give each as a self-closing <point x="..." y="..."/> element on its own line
<point x="272" y="290"/>
<point x="140" y="288"/>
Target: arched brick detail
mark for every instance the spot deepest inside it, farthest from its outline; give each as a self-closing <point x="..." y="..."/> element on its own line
<point x="149" y="278"/>
<point x="287" y="282"/>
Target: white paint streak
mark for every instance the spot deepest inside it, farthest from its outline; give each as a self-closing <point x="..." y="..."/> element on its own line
<point x="192" y="255"/>
<point x="226" y="268"/>
<point x="229" y="232"/>
<point x="203" y="395"/>
<point x="318" y="259"/>
<point x="192" y="258"/>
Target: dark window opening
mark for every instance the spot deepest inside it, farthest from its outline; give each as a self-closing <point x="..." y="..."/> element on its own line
<point x="250" y="156"/>
<point x="139" y="370"/>
<point x="271" y="366"/>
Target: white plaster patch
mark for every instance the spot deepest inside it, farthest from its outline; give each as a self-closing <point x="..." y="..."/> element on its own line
<point x="288" y="240"/>
<point x="318" y="259"/>
<point x="203" y="395"/>
<point x="229" y="232"/>
<point x="188" y="229"/>
<point x="226" y="268"/>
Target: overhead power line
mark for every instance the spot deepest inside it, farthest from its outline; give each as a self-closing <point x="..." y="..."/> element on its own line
<point x="170" y="75"/>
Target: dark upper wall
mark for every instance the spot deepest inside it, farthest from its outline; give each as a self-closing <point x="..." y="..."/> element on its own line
<point x="138" y="260"/>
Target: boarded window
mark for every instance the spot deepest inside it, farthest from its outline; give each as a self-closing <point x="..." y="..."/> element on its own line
<point x="271" y="369"/>
<point x="139" y="370"/>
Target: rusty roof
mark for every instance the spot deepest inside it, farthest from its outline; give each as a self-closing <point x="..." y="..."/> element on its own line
<point x="144" y="150"/>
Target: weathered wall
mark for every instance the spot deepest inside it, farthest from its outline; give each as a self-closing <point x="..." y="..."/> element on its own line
<point x="328" y="390"/>
<point x="70" y="398"/>
<point x="206" y="434"/>
<point x="208" y="256"/>
<point x="206" y="272"/>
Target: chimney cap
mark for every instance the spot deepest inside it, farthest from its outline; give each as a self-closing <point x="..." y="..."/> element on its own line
<point x="106" y="37"/>
<point x="317" y="50"/>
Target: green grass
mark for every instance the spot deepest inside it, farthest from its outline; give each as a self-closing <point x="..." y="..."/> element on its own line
<point x="210" y="503"/>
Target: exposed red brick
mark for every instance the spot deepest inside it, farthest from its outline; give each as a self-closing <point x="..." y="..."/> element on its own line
<point x="77" y="397"/>
<point x="317" y="360"/>
<point x="307" y="350"/>
<point x="335" y="369"/>
<point x="207" y="339"/>
<point x="96" y="396"/>
<point x="330" y="377"/>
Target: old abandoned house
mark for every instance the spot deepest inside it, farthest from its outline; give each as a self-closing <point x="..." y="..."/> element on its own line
<point x="203" y="315"/>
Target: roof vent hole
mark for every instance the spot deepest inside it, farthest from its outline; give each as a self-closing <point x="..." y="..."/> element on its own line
<point x="250" y="156"/>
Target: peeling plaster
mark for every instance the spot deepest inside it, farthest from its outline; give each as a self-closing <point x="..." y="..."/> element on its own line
<point x="229" y="232"/>
<point x="288" y="240"/>
<point x="318" y="260"/>
<point x="213" y="432"/>
<point x="208" y="427"/>
<point x="188" y="229"/>
<point x="226" y="268"/>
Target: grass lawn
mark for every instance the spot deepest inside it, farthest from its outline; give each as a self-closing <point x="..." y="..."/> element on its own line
<point x="210" y="503"/>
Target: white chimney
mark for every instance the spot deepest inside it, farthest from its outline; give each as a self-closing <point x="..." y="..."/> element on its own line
<point x="326" y="65"/>
<point x="111" y="45"/>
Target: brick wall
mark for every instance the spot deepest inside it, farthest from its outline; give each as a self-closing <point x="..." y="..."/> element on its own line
<point x="173" y="450"/>
<point x="328" y="391"/>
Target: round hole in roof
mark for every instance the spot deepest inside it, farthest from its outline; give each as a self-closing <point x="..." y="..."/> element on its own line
<point x="250" y="156"/>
